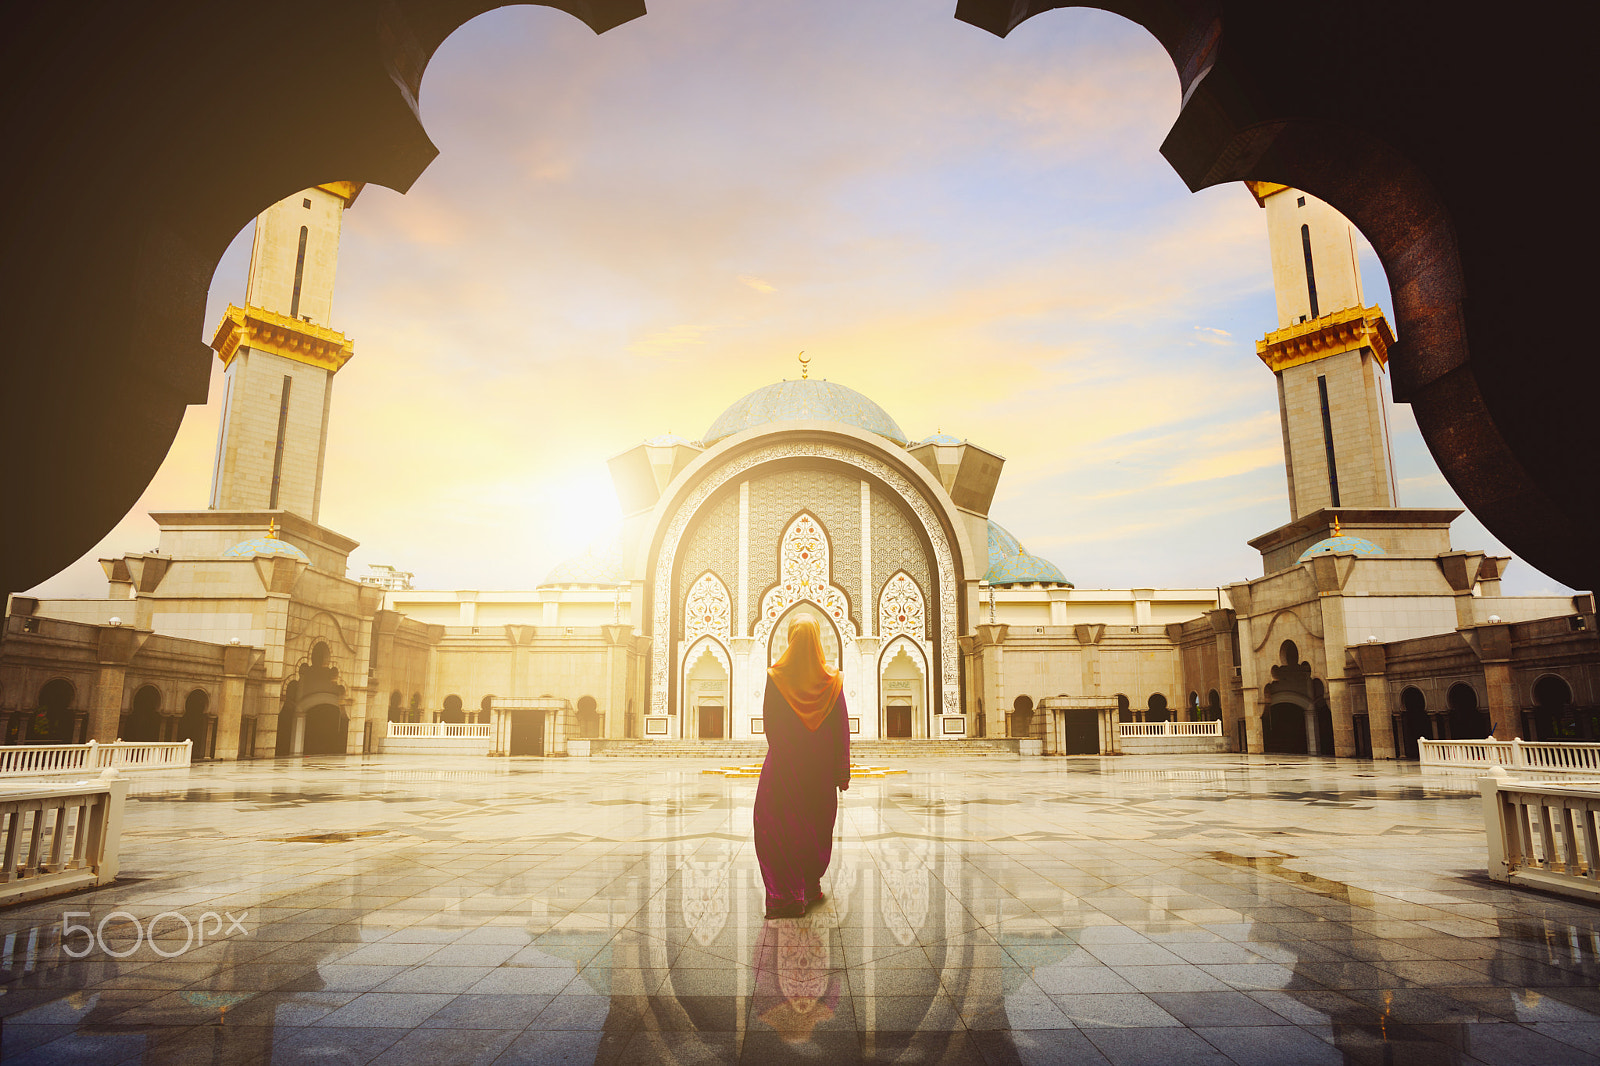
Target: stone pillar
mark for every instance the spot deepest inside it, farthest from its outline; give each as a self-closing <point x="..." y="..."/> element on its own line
<point x="1344" y="723"/>
<point x="1373" y="662"/>
<point x="230" y="708"/>
<point x="1313" y="742"/>
<point x="1504" y="715"/>
<point x="117" y="645"/>
<point x="297" y="723"/>
<point x="1254" y="739"/>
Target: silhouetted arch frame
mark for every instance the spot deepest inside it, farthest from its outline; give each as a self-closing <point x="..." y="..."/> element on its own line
<point x="1408" y="168"/>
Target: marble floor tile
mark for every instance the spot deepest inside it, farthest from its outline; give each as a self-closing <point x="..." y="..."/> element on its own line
<point x="1239" y="909"/>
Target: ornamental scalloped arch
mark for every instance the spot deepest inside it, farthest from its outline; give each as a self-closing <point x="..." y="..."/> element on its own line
<point x="663" y="663"/>
<point x="691" y="655"/>
<point x="707" y="608"/>
<point x="805" y="575"/>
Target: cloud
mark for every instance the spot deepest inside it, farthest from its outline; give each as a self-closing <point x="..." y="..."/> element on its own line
<point x="757" y="284"/>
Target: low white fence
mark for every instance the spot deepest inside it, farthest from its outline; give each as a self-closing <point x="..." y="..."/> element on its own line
<point x="440" y="731"/>
<point x="42" y="760"/>
<point x="1170" y="729"/>
<point x="60" y="837"/>
<point x="1544" y="756"/>
<point x="1543" y="834"/>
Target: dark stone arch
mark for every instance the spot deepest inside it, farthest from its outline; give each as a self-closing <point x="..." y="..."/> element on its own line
<point x="1399" y="142"/>
<point x="144" y="715"/>
<point x="452" y="710"/>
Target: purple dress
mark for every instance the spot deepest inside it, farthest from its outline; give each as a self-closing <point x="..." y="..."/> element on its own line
<point x="796" y="799"/>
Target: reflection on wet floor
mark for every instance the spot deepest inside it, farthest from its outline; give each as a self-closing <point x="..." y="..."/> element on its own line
<point x="1219" y="909"/>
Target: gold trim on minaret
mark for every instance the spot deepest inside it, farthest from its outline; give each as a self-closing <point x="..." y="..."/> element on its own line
<point x="344" y="190"/>
<point x="1263" y="189"/>
<point x="1342" y="331"/>
<point x="268" y="331"/>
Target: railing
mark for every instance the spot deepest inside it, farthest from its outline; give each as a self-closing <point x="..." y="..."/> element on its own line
<point x="1544" y="756"/>
<point x="42" y="760"/>
<point x="1170" y="729"/>
<point x="60" y="838"/>
<point x="440" y="730"/>
<point x="1543" y="834"/>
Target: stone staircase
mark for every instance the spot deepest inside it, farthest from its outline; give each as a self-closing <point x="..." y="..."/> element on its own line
<point x="745" y="750"/>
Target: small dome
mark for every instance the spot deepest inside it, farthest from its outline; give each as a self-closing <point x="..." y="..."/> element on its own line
<point x="808" y="398"/>
<point x="1011" y="564"/>
<point x="264" y="546"/>
<point x="1359" y="545"/>
<point x="596" y="566"/>
<point x="941" y="438"/>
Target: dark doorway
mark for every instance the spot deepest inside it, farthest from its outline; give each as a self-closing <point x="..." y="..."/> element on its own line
<point x="1362" y="728"/>
<point x="1083" y="732"/>
<point x="397" y="709"/>
<point x="327" y="731"/>
<point x="56" y="722"/>
<point x="1283" y="729"/>
<point x="527" y="732"/>
<point x="1124" y="712"/>
<point x="1324" y="718"/>
<point x="710" y="723"/>
<point x="452" y="712"/>
<point x="1553" y="718"/>
<point x="897" y="720"/>
<point x="1467" y="722"/>
<point x="588" y="717"/>
<point x="1414" y="724"/>
<point x="144" y="721"/>
<point x="194" y="724"/>
<point x="1156" y="709"/>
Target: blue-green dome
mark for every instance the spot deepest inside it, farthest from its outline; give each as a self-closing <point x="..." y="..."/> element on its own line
<point x="264" y="546"/>
<point x="596" y="566"/>
<point x="1359" y="545"/>
<point x="940" y="438"/>
<point x="808" y="398"/>
<point x="1011" y="564"/>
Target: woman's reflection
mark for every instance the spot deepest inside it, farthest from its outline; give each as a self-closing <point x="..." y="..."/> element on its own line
<point x="796" y="987"/>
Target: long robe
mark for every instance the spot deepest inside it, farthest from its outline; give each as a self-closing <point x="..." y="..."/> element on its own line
<point x="796" y="799"/>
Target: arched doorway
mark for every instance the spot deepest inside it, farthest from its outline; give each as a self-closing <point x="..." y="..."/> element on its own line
<point x="144" y="718"/>
<point x="1552" y="714"/>
<point x="327" y="728"/>
<point x="706" y="688"/>
<point x="1022" y="716"/>
<point x="195" y="725"/>
<point x="1156" y="708"/>
<point x="1283" y="728"/>
<point x="1212" y="711"/>
<point x="1124" y="711"/>
<point x="56" y="721"/>
<point x="1414" y="724"/>
<point x="452" y="712"/>
<point x="1467" y="722"/>
<point x="588" y="717"/>
<point x="397" y="706"/>
<point x="903" y="685"/>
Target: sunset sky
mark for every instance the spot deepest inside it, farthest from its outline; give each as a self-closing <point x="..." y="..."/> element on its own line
<point x="624" y="234"/>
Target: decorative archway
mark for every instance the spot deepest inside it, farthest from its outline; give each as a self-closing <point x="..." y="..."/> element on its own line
<point x="903" y="689"/>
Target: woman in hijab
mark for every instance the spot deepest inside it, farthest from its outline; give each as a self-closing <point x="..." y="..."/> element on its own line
<point x="808" y="756"/>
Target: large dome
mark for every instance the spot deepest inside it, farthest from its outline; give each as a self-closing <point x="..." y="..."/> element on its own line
<point x="1012" y="564"/>
<point x="264" y="546"/>
<point x="1333" y="545"/>
<point x="597" y="565"/>
<point x="808" y="398"/>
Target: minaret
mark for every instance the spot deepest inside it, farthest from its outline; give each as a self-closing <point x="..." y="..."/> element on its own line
<point x="1328" y="353"/>
<point x="281" y="356"/>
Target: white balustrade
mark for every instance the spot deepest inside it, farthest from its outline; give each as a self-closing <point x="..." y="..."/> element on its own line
<point x="1543" y="834"/>
<point x="1542" y="756"/>
<point x="60" y="837"/>
<point x="1170" y="729"/>
<point x="44" y="760"/>
<point x="441" y="730"/>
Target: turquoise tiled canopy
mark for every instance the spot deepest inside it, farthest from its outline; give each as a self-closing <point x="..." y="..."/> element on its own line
<point x="807" y="399"/>
<point x="1359" y="545"/>
<point x="264" y="546"/>
<point x="1011" y="564"/>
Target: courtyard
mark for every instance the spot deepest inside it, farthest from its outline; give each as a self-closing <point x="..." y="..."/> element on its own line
<point x="1221" y="909"/>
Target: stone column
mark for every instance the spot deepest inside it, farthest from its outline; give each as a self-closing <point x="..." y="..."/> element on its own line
<point x="117" y="645"/>
<point x="297" y="723"/>
<point x="1254" y="739"/>
<point x="1313" y="742"/>
<point x="230" y="708"/>
<point x="1373" y="661"/>
<point x="1344" y="724"/>
<point x="1492" y="645"/>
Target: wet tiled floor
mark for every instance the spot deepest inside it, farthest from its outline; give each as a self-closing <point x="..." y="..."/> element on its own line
<point x="1170" y="910"/>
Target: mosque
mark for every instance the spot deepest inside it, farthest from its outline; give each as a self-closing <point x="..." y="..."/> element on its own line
<point x="244" y="633"/>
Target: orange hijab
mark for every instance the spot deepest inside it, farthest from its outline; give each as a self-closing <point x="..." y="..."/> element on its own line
<point x="804" y="677"/>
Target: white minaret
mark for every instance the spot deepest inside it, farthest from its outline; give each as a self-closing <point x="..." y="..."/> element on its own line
<point x="1328" y="353"/>
<point x="281" y="356"/>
